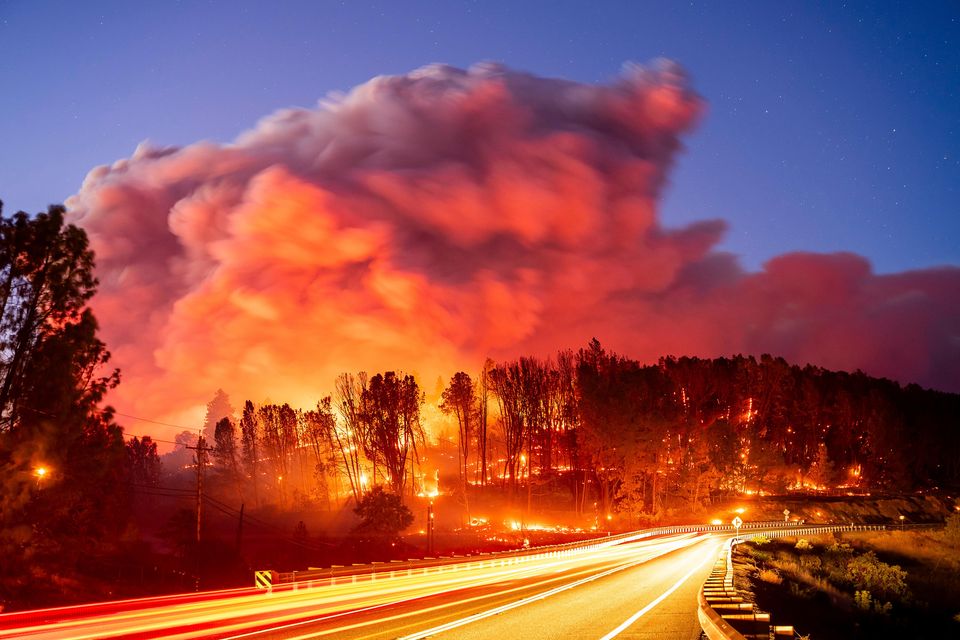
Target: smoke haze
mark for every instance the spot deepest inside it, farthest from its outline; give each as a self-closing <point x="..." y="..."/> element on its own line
<point x="426" y="221"/>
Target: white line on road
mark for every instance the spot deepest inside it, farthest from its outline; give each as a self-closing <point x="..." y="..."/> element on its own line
<point x="663" y="596"/>
<point x="540" y="596"/>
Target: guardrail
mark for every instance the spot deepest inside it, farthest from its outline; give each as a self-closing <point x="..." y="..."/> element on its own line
<point x="723" y="614"/>
<point x="341" y="574"/>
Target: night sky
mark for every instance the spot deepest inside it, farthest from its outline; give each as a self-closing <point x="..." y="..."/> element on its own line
<point x="831" y="126"/>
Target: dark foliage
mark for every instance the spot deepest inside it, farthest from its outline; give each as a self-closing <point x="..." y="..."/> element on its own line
<point x="382" y="514"/>
<point x="62" y="458"/>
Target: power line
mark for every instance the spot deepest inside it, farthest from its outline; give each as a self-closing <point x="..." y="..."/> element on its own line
<point x="284" y="535"/>
<point x="137" y="485"/>
<point x="215" y="503"/>
<point x="125" y="432"/>
<point x="152" y="439"/>
<point x="162" y="424"/>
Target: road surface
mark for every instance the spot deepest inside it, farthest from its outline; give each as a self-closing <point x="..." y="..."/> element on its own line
<point x="644" y="588"/>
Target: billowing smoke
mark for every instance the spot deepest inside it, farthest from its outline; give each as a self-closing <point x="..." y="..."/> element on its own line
<point x="427" y="221"/>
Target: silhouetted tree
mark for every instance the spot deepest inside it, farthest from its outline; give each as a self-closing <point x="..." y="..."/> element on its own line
<point x="218" y="408"/>
<point x="250" y="438"/>
<point x="391" y="415"/>
<point x="53" y="378"/>
<point x="143" y="462"/>
<point x="319" y="429"/>
<point x="279" y="428"/>
<point x="459" y="400"/>
<point x="382" y="514"/>
<point x="349" y="437"/>
<point x="226" y="453"/>
<point x="483" y="396"/>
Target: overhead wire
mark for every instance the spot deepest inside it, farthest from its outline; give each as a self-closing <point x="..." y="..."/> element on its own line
<point x="127" y="434"/>
<point x="172" y="492"/>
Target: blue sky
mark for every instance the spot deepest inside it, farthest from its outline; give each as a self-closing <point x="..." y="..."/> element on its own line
<point x="831" y="126"/>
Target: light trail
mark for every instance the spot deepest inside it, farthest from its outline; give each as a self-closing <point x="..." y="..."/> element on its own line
<point x="663" y="596"/>
<point x="461" y="603"/>
<point x="540" y="596"/>
<point x="656" y="551"/>
<point x="289" y="611"/>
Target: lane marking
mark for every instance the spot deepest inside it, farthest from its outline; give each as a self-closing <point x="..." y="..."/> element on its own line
<point x="647" y="551"/>
<point x="663" y="596"/>
<point x="516" y="575"/>
<point x="540" y="596"/>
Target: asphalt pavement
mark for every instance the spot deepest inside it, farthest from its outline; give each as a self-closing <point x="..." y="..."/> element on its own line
<point x="645" y="588"/>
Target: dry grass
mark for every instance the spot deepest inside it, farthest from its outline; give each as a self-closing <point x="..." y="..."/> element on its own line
<point x="769" y="575"/>
<point x="803" y="581"/>
<point x="927" y="547"/>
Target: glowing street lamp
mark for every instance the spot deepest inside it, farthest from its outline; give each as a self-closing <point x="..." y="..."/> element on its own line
<point x="902" y="518"/>
<point x="430" y="525"/>
<point x="41" y="473"/>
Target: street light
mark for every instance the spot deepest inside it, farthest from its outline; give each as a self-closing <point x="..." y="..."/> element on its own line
<point x="41" y="473"/>
<point x="430" y="528"/>
<point x="901" y="522"/>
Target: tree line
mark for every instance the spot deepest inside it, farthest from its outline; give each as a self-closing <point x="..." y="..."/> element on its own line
<point x="367" y="434"/>
<point x="609" y="433"/>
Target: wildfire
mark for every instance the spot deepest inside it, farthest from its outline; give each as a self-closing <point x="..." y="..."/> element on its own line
<point x="806" y="485"/>
<point x="515" y="525"/>
<point x="427" y="491"/>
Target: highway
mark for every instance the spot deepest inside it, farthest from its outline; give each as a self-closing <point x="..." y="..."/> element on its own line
<point x="642" y="588"/>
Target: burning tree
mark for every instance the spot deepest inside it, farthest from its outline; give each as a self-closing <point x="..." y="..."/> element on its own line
<point x="349" y="437"/>
<point x="391" y="415"/>
<point x="459" y="399"/>
<point x="319" y="432"/>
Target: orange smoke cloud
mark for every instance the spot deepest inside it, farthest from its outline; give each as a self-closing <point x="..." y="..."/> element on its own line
<point x="426" y="221"/>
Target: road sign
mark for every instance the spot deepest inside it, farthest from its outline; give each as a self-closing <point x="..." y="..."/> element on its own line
<point x="737" y="522"/>
<point x="786" y="514"/>
<point x="263" y="580"/>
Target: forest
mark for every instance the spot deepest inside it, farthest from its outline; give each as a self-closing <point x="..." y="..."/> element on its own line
<point x="588" y="432"/>
<point x="591" y="427"/>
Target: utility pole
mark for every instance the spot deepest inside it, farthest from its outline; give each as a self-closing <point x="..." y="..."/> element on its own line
<point x="240" y="529"/>
<point x="430" y="528"/>
<point x="201" y="450"/>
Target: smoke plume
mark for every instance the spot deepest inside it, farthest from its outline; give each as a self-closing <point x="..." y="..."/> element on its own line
<point x="427" y="221"/>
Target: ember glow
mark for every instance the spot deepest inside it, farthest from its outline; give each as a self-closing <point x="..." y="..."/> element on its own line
<point x="429" y="220"/>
